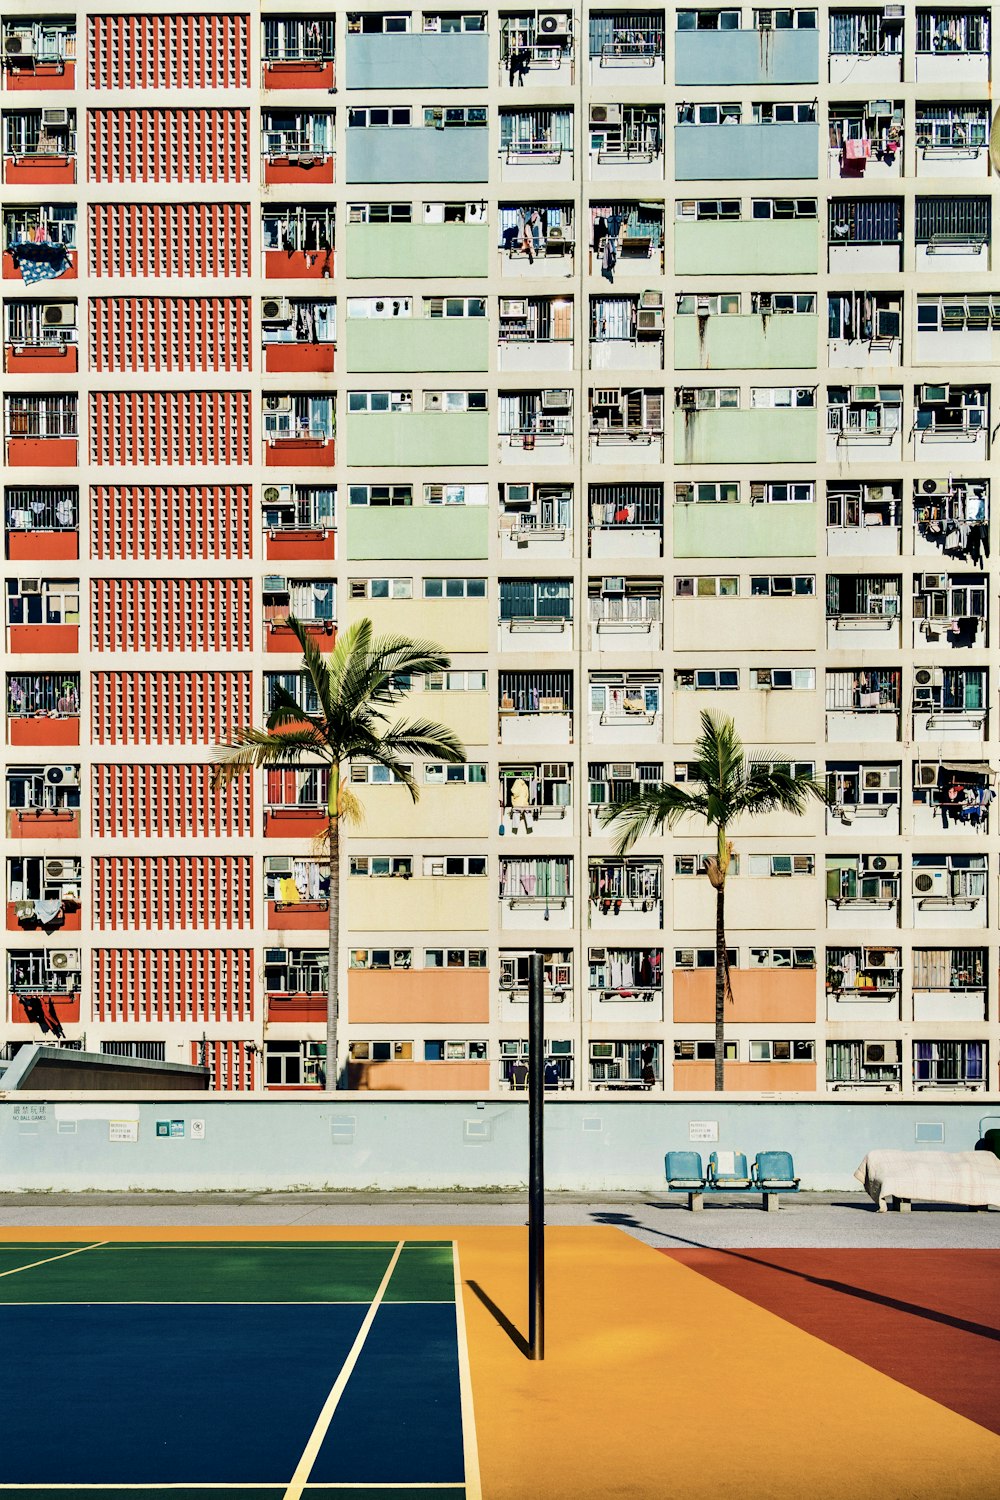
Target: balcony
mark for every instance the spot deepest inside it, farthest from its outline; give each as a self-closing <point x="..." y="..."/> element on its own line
<point x="417" y="60"/>
<point x="531" y="56"/>
<point x="953" y="140"/>
<point x="866" y="140"/>
<point x="766" y="338"/>
<point x="723" y="529"/>
<point x="949" y="984"/>
<point x="537" y="240"/>
<point x="863" y="612"/>
<point x="951" y="425"/>
<point x="536" y="708"/>
<point x="636" y="1066"/>
<point x="950" y="890"/>
<point x="299" y="522"/>
<point x="43" y="894"/>
<point x="750" y="56"/>
<point x="864" y="792"/>
<point x="625" y="708"/>
<point x="536" y="615"/>
<point x="865" y="47"/>
<point x="950" y="611"/>
<point x="953" y="46"/>
<point x="950" y="703"/>
<point x="626" y="142"/>
<point x="298" y="52"/>
<point x="625" y="614"/>
<point x="866" y="235"/>
<point x="41" y="431"/>
<point x="536" y="145"/>
<point x="863" y="519"/>
<point x="296" y="893"/>
<point x="43" y="616"/>
<point x="949" y="1065"/>
<point x="428" y="152"/>
<point x="862" y="891"/>
<point x="953" y="235"/>
<point x="298" y="242"/>
<point x="625" y="426"/>
<point x="536" y="427"/>
<point x="433" y="342"/>
<point x="299" y="335"/>
<point x="626" y="333"/>
<point x="625" y="985"/>
<point x="626" y="48"/>
<point x="39" y="147"/>
<point x="864" y="424"/>
<point x="297" y="147"/>
<point x="39" y="55"/>
<point x="952" y="796"/>
<point x="536" y="521"/>
<point x="864" y="329"/>
<point x="625" y="894"/>
<point x="746" y="153"/>
<point x="784" y="996"/>
<point x="311" y="601"/>
<point x="536" y="333"/>
<point x="43" y="802"/>
<point x="863" y="704"/>
<point x="299" y="431"/>
<point x="514" y="981"/>
<point x="38" y="244"/>
<point x="784" y="246"/>
<point x="42" y="523"/>
<point x="863" y="985"/>
<point x="536" y="892"/>
<point x="537" y="796"/>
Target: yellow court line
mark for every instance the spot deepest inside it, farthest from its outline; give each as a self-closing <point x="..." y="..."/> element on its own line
<point x="470" y="1443"/>
<point x="311" y="1450"/>
<point x="50" y="1258"/>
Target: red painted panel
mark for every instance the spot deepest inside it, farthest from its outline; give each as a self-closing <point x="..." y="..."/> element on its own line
<point x="303" y="916"/>
<point x="43" y="546"/>
<point x="286" y="169"/>
<point x="11" y="272"/>
<point x="298" y="74"/>
<point x="284" y="359"/>
<point x="45" y="170"/>
<point x="48" y="76"/>
<point x="66" y="1007"/>
<point x="43" y="730"/>
<point x="299" y="453"/>
<point x="289" y="822"/>
<point x="41" y="453"/>
<point x="283" y="265"/>
<point x="55" y="361"/>
<point x="301" y="546"/>
<point x="296" y="1007"/>
<point x="280" y="638"/>
<point x="47" y="640"/>
<point x="68" y="920"/>
<point x="23" y="823"/>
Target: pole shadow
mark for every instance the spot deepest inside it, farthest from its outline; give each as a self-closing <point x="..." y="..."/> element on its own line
<point x="498" y="1315"/>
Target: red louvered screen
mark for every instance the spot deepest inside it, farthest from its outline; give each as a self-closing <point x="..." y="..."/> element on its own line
<point x="232" y="1065"/>
<point x="170" y="614"/>
<point x="168" y="801"/>
<point x="172" y="984"/>
<point x="169" y="333"/>
<point x="135" y="521"/>
<point x="168" y="708"/>
<point x="172" y="892"/>
<point x="169" y="239"/>
<point x="154" y="428"/>
<point x="168" y="145"/>
<point x="168" y="52"/>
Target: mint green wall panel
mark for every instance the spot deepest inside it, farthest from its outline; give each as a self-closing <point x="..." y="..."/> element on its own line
<point x="745" y="437"/>
<point x="746" y="247"/>
<point x="781" y="341"/>
<point x="401" y="439"/>
<point x="417" y="250"/>
<point x="404" y="344"/>
<point x="744" y="530"/>
<point x="425" y="531"/>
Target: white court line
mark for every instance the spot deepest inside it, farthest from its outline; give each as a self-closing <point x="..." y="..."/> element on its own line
<point x="50" y="1258"/>
<point x="470" y="1442"/>
<point x="224" y="1487"/>
<point x="311" y="1451"/>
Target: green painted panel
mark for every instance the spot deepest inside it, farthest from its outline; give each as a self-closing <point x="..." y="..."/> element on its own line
<point x="424" y="1273"/>
<point x="771" y="436"/>
<point x="417" y="531"/>
<point x="744" y="530"/>
<point x="712" y="247"/>
<point x="417" y="250"/>
<point x="404" y="344"/>
<point x="402" y="439"/>
<point x="783" y="341"/>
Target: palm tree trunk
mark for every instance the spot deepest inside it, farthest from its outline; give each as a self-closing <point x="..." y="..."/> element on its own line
<point x="333" y="947"/>
<point x="720" y="988"/>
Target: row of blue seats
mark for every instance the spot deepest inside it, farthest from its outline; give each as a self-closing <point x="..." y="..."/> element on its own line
<point x="772" y="1172"/>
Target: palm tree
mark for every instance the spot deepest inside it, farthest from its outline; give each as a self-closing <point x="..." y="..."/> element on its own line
<point x="355" y="686"/>
<point x="724" y="784"/>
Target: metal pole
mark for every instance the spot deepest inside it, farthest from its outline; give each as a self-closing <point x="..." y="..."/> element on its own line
<point x="536" y="1162"/>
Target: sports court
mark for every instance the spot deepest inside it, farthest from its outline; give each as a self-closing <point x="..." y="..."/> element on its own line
<point x="360" y="1363"/>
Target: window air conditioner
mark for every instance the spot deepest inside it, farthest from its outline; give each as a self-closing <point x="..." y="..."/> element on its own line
<point x="63" y="775"/>
<point x="19" y="45"/>
<point x="862" y="394"/>
<point x="876" y="958"/>
<point x="432" y="23"/>
<point x="927" y="775"/>
<point x="762" y="676"/>
<point x="55" y="869"/>
<point x="553" y="23"/>
<point x="277" y="403"/>
<point x="933" y="580"/>
<point x="893" y="12"/>
<point x="928" y="677"/>
<point x="433" y="401"/>
<point x="55" y="119"/>
<point x="651" y="299"/>
<point x="931" y="884"/>
<point x="59" y="315"/>
<point x="612" y="585"/>
<point x="509" y="308"/>
<point x="879" y="1054"/>
<point x="765" y="20"/>
<point x="29" y="586"/>
<point x="60" y="960"/>
<point x="933" y="487"/>
<point x="276" y="310"/>
<point x="933" y="395"/>
<point x="602" y="1051"/>
<point x="765" y="302"/>
<point x="278" y="864"/>
<point x="556" y="400"/>
<point x="274" y="584"/>
<point x="605" y="114"/>
<point x="649" y="320"/>
<point x="275" y="493"/>
<point x="687" y="399"/>
<point x="620" y="770"/>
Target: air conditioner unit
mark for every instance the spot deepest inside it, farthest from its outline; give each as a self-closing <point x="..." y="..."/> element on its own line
<point x="277" y="403"/>
<point x="880" y="864"/>
<point x="620" y="770"/>
<point x="612" y="585"/>
<point x="602" y="1051"/>
<point x="559" y="234"/>
<point x="649" y="320"/>
<point x="762" y="677"/>
<point x="894" y="12"/>
<point x="687" y="399"/>
<point x="879" y="1054"/>
<point x="276" y="310"/>
<point x="275" y="493"/>
<point x="55" y="119"/>
<point x="933" y="395"/>
<point x="433" y="401"/>
<point x="863" y="394"/>
<point x="553" y="23"/>
<point x="273" y="956"/>
<point x="765" y="302"/>
<point x="607" y="396"/>
<point x="273" y="584"/>
<point x="886" y="778"/>
<point x="63" y="775"/>
<point x="29" y="586"/>
<point x="59" y="315"/>
<point x="935" y="487"/>
<point x="556" y="400"/>
<point x="517" y="494"/>
<point x="55" y="869"/>
<point x="19" y="45"/>
<point x="605" y="114"/>
<point x="928" y="677"/>
<point x="933" y="580"/>
<point x="877" y="958"/>
<point x="279" y="864"/>
<point x="758" y="492"/>
<point x="931" y="884"/>
<point x="60" y="960"/>
<point x="765" y="20"/>
<point x="432" y="23"/>
<point x="927" y="775"/>
<point x="509" y="308"/>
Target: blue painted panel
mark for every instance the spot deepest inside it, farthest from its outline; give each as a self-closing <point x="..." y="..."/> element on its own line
<point x="418" y="153"/>
<point x="737" y="152"/>
<point x="417" y="60"/>
<point x="723" y="57"/>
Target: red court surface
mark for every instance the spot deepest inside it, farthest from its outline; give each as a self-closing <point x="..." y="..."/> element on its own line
<point x="928" y="1318"/>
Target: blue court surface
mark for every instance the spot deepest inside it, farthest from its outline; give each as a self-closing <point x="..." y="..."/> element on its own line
<point x="193" y="1369"/>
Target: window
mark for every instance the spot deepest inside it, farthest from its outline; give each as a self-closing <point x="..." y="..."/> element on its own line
<point x="380" y="588"/>
<point x="379" y="307"/>
<point x="437" y="773"/>
<point x="380" y="494"/>
<point x="625" y="696"/>
<point x="767" y="303"/>
<point x="296" y="38"/>
<point x="708" y="20"/>
<point x="783" y="585"/>
<point x="618" y="780"/>
<point x="768" y="396"/>
<point x="707" y="679"/>
<point x="703" y="958"/>
<point x="708" y="208"/>
<point x="719" y="492"/>
<point x="705" y="1051"/>
<point x="454" y="307"/>
<point x="782" y="958"/>
<point x="719" y="303"/>
<point x="295" y="971"/>
<point x="451" y="1051"/>
<point x="375" y="775"/>
<point x="379" y="116"/>
<point x="456" y="494"/>
<point x="697" y="864"/>
<point x="707" y="587"/>
<point x="43" y="601"/>
<point x="448" y="865"/>
<point x="380" y="1051"/>
<point x="707" y="397"/>
<point x="784" y="679"/>
<point x="952" y="127"/>
<point x="455" y="682"/>
<point x="376" y="401"/>
<point x="378" y="22"/>
<point x="949" y="1062"/>
<point x="709" y="114"/>
<point x="625" y="973"/>
<point x="781" y="864"/>
<point x="380" y="213"/>
<point x="454" y="400"/>
<point x="784" y="19"/>
<point x="381" y="958"/>
<point x="43" y="788"/>
<point x="454" y="588"/>
<point x="376" y="867"/>
<point x="557" y="970"/>
<point x="442" y="117"/>
<point x="953" y="312"/>
<point x="949" y="31"/>
<point x="536" y="599"/>
<point x="536" y="880"/>
<point x="784" y="114"/>
<point x="783" y="208"/>
<point x="454" y="958"/>
<point x="782" y="1051"/>
<point x="294" y="1064"/>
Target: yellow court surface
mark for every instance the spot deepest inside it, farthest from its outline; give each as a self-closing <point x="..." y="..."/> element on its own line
<point x="657" y="1381"/>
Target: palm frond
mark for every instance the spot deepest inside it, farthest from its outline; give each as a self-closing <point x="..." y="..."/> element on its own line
<point x="425" y="737"/>
<point x="255" y="749"/>
<point x="650" y="811"/>
<point x="315" y="663"/>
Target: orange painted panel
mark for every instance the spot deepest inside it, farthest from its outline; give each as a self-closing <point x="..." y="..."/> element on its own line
<point x="43" y="546"/>
<point x="298" y="453"/>
<point x="766" y="995"/>
<point x="68" y="920"/>
<point x="41" y="453"/>
<point x="280" y="638"/>
<point x="280" y="265"/>
<point x="25" y="824"/>
<point x="699" y="1077"/>
<point x="11" y="272"/>
<point x="46" y="640"/>
<point x="301" y="546"/>
<point x="66" y="1007"/>
<point x="300" y="916"/>
<point x="298" y="74"/>
<point x="282" y="169"/>
<point x="401" y="996"/>
<point x="433" y="1077"/>
<point x="43" y="730"/>
<point x="59" y="359"/>
<point x="43" y="170"/>
<point x="53" y="75"/>
<point x="292" y="822"/>
<point x="293" y="359"/>
<point x="296" y="1007"/>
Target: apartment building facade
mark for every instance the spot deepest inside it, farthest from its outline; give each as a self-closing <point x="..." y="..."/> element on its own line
<point x="644" y="360"/>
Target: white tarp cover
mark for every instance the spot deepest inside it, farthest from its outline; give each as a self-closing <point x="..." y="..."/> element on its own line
<point x="971" y="1177"/>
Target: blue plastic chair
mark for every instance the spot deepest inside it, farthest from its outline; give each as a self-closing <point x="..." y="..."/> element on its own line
<point x="736" y="1180"/>
<point x="685" y="1175"/>
<point x="773" y="1172"/>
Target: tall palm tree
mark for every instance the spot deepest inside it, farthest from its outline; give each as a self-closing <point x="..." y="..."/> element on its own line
<point x="355" y="688"/>
<point x="724" y="785"/>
